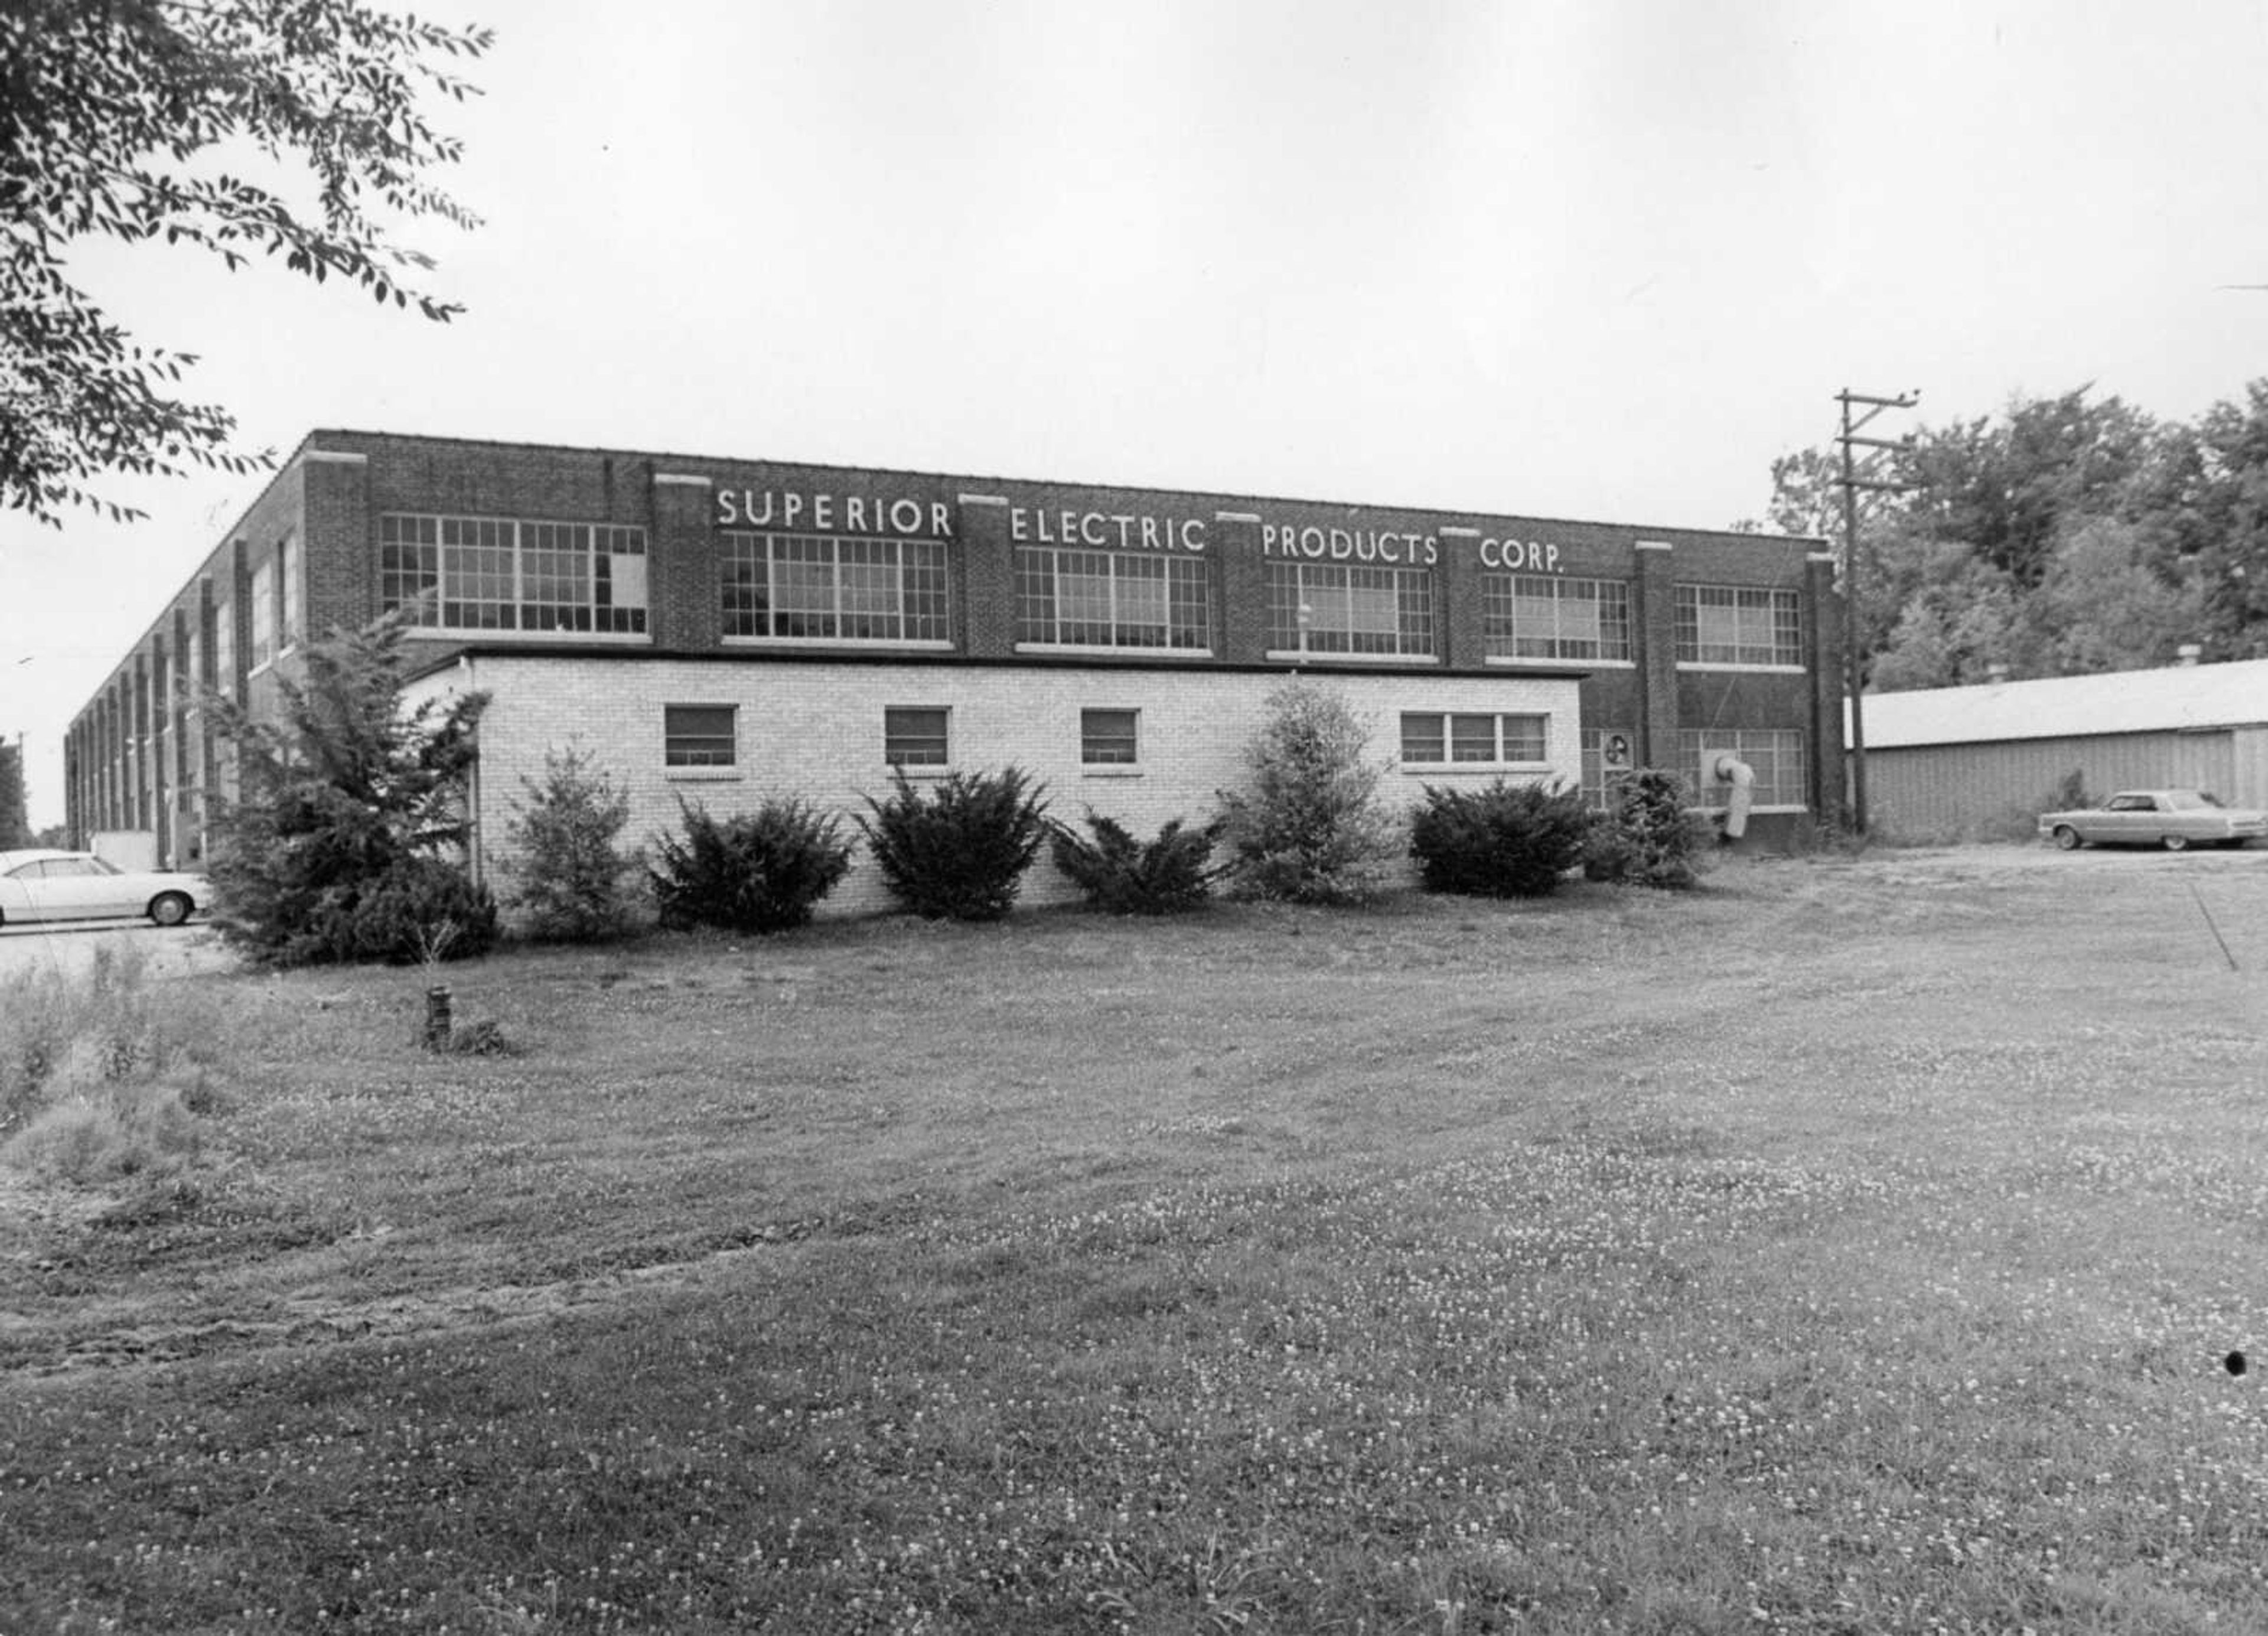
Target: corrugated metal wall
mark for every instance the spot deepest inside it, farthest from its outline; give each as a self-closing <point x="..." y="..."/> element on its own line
<point x="1981" y="791"/>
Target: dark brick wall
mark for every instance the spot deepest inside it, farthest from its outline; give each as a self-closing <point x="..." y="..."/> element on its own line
<point x="337" y="486"/>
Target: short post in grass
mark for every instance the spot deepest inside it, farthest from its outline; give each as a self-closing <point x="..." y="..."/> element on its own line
<point x="433" y="946"/>
<point x="437" y="1024"/>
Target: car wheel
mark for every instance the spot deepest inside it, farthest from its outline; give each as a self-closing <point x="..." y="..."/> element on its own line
<point x="169" y="909"/>
<point x="2176" y="843"/>
<point x="2066" y="837"/>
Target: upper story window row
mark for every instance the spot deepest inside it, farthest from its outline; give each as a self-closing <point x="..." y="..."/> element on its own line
<point x="501" y="574"/>
<point x="481" y="574"/>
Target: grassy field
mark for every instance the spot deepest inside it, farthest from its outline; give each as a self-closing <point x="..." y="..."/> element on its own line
<point x="1852" y="1246"/>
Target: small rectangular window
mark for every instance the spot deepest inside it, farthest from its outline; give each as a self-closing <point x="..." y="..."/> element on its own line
<point x="699" y="735"/>
<point x="916" y="735"/>
<point x="1109" y="737"/>
<point x="1423" y="738"/>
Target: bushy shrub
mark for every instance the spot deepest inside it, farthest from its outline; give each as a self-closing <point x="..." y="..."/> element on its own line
<point x="1311" y="829"/>
<point x="1121" y="875"/>
<point x="571" y="881"/>
<point x="1649" y="838"/>
<point x="959" y="852"/>
<point x="421" y="908"/>
<point x="759" y="872"/>
<point x="1506" y="841"/>
<point x="344" y="797"/>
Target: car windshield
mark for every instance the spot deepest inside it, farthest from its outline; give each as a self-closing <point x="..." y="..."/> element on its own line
<point x="2189" y="801"/>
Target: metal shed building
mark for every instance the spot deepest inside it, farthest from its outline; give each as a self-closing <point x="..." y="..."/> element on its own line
<point x="1980" y="763"/>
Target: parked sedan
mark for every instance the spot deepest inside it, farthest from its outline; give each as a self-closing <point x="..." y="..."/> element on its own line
<point x="2172" y="819"/>
<point x="78" y="886"/>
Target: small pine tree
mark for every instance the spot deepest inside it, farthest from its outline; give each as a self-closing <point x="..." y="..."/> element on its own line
<point x="1649" y="838"/>
<point x="348" y="807"/>
<point x="572" y="881"/>
<point x="1312" y="828"/>
<point x="758" y="872"/>
<point x="1121" y="875"/>
<point x="961" y="852"/>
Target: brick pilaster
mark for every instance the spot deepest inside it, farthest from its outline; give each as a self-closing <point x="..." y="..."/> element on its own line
<point x="1240" y="585"/>
<point x="1656" y="617"/>
<point x="338" y="558"/>
<point x="987" y="610"/>
<point x="685" y="598"/>
<point x="1462" y="639"/>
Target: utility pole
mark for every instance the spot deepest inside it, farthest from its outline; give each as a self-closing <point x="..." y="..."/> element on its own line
<point x="1852" y="483"/>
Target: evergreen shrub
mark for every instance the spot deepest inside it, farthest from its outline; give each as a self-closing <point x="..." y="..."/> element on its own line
<point x="1649" y="837"/>
<point x="761" y="872"/>
<point x="959" y="852"/>
<point x="572" y="882"/>
<point x="1121" y="875"/>
<point x="1506" y="841"/>
<point x="1310" y="828"/>
<point x="421" y="908"/>
<point x="348" y="807"/>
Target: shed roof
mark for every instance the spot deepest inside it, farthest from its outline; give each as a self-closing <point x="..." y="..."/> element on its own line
<point x="2182" y="697"/>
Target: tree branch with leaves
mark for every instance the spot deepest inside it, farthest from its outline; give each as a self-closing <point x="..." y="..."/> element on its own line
<point x="112" y="115"/>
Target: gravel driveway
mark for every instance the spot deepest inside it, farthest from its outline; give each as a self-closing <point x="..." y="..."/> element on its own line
<point x="172" y="952"/>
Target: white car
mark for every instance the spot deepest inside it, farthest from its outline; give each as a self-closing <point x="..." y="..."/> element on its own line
<point x="46" y="885"/>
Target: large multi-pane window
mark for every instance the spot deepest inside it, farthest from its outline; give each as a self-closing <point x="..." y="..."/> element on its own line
<point x="1334" y="607"/>
<point x="1113" y="599"/>
<point x="1775" y="755"/>
<point x="1738" y="625"/>
<point x="263" y="613"/>
<point x="291" y="569"/>
<point x="835" y="588"/>
<point x="1449" y="738"/>
<point x="225" y="638"/>
<point x="1544" y="616"/>
<point x="499" y="573"/>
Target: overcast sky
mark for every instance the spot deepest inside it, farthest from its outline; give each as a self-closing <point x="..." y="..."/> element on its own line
<point x="1588" y="259"/>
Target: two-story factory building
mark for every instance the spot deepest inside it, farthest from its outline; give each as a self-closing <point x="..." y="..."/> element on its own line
<point x="718" y="630"/>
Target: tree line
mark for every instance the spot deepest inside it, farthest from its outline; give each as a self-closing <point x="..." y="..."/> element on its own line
<point x="2065" y="535"/>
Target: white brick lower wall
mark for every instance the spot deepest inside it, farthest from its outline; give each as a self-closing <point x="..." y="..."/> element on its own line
<point x="814" y="730"/>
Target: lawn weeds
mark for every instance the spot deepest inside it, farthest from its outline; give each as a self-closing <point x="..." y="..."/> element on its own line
<point x="1828" y="1249"/>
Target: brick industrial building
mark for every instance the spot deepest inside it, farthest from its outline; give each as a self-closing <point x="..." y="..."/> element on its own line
<point x="725" y="629"/>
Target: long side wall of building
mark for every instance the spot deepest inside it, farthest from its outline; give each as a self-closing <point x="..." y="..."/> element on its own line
<point x="1982" y="791"/>
<point x="816" y="731"/>
<point x="1680" y="642"/>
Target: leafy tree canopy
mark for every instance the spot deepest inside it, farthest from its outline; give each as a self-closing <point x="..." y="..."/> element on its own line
<point x="15" y="826"/>
<point x="114" y="117"/>
<point x="2068" y="535"/>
